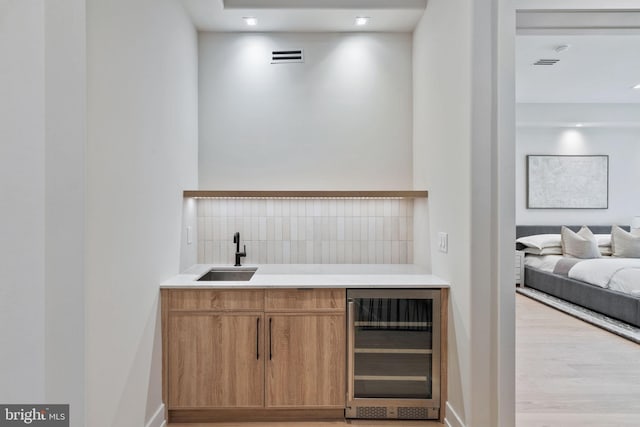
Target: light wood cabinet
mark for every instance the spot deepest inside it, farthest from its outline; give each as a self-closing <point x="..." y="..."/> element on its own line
<point x="306" y="360"/>
<point x="215" y="360"/>
<point x="253" y="354"/>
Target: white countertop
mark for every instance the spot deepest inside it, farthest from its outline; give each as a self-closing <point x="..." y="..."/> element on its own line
<point x="314" y="276"/>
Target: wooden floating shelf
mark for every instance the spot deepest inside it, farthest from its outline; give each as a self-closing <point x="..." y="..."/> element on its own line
<point x="294" y="194"/>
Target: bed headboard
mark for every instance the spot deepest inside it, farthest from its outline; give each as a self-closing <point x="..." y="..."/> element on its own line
<point x="529" y="230"/>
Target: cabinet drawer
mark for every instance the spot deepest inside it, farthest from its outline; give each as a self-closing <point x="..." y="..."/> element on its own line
<point x="305" y="299"/>
<point x="217" y="300"/>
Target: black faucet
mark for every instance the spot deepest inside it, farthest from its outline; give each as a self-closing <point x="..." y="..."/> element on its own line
<point x="236" y="240"/>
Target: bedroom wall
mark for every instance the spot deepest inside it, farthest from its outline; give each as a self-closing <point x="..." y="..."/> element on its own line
<point x="612" y="130"/>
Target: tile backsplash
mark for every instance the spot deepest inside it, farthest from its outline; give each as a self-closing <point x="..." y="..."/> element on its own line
<point x="306" y="231"/>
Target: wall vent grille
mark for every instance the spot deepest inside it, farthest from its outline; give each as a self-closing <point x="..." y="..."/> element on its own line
<point x="287" y="56"/>
<point x="546" y="62"/>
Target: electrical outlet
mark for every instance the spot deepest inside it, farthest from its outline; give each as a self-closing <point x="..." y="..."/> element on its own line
<point x="443" y="242"/>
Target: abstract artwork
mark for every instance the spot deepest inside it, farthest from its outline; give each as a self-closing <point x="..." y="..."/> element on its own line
<point x="567" y="182"/>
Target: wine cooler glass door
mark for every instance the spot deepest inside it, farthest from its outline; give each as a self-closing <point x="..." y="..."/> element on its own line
<point x="394" y="345"/>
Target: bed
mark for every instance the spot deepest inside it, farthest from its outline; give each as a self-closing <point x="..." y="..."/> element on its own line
<point x="612" y="303"/>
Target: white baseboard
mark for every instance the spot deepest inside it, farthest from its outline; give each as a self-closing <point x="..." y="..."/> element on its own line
<point x="158" y="418"/>
<point x="452" y="419"/>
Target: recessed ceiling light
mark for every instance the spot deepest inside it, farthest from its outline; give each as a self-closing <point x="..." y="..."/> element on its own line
<point x="250" y="21"/>
<point x="579" y="125"/>
<point x="637" y="86"/>
<point x="362" y="20"/>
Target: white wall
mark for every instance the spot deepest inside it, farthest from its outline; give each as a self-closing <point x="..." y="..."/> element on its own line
<point x="141" y="155"/>
<point x="341" y="120"/>
<point x="461" y="120"/>
<point x="22" y="201"/>
<point x="619" y="141"/>
<point x="65" y="91"/>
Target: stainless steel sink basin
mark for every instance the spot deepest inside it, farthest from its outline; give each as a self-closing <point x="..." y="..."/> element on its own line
<point x="229" y="274"/>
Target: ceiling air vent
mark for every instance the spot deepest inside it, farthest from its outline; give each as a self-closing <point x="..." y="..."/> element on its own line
<point x="287" y="56"/>
<point x="546" y="62"/>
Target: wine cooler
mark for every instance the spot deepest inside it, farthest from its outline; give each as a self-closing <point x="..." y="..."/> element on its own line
<point x="393" y="353"/>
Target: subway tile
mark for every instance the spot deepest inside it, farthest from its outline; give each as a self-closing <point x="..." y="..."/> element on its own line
<point x="340" y="208"/>
<point x="317" y="208"/>
<point x="246" y="227"/>
<point x="340" y="228"/>
<point x="371" y="252"/>
<point x="333" y="228"/>
<point x="223" y="207"/>
<point x="333" y="251"/>
<point x="355" y="208"/>
<point x="379" y="230"/>
<point x="293" y="224"/>
<point x="379" y="252"/>
<point x="317" y="228"/>
<point x="279" y="208"/>
<point x="309" y="228"/>
<point x="262" y="252"/>
<point x="395" y="207"/>
<point x="263" y="229"/>
<point x="386" y="228"/>
<point x="379" y="207"/>
<point x="286" y="228"/>
<point x="387" y="208"/>
<point x="270" y="207"/>
<point x="348" y="251"/>
<point x="286" y="252"/>
<point x="348" y="228"/>
<point x="316" y="250"/>
<point x="403" y="252"/>
<point x="325" y="259"/>
<point x="278" y="228"/>
<point x="410" y="208"/>
<point x="340" y="252"/>
<point x="402" y="210"/>
<point x="355" y="253"/>
<point x="271" y="252"/>
<point x="271" y="229"/>
<point x="348" y="208"/>
<point x="395" y="252"/>
<point x="325" y="228"/>
<point x="387" y="252"/>
<point x="371" y="228"/>
<point x="395" y="228"/>
<point x="357" y="224"/>
<point x="402" y="228"/>
<point x="410" y="228"/>
<point x="333" y="207"/>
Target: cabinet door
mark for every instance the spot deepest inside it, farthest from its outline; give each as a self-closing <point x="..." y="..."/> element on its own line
<point x="305" y="360"/>
<point x="215" y="360"/>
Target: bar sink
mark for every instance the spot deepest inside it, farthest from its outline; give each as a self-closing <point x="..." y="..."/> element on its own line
<point x="228" y="274"/>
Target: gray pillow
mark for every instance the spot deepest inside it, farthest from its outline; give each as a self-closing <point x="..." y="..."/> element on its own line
<point x="582" y="244"/>
<point x="625" y="244"/>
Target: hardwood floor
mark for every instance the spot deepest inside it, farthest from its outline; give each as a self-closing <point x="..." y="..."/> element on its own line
<point x="362" y="423"/>
<point x="570" y="373"/>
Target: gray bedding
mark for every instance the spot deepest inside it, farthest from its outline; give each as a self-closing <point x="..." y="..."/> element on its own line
<point x="611" y="303"/>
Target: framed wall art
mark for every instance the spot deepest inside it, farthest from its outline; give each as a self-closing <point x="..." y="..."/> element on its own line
<point x="567" y="182"/>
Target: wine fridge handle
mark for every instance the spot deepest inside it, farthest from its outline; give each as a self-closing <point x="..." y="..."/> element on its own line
<point x="350" y="350"/>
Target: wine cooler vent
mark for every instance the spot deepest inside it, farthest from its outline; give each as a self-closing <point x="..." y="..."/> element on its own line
<point x="375" y="412"/>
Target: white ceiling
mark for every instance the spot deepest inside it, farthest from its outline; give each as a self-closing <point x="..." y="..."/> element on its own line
<point x="305" y="15"/>
<point x="596" y="69"/>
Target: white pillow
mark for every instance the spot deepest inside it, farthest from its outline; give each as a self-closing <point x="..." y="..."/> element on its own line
<point x="541" y="241"/>
<point x="543" y="251"/>
<point x="603" y="239"/>
<point x="625" y="244"/>
<point x="582" y="244"/>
